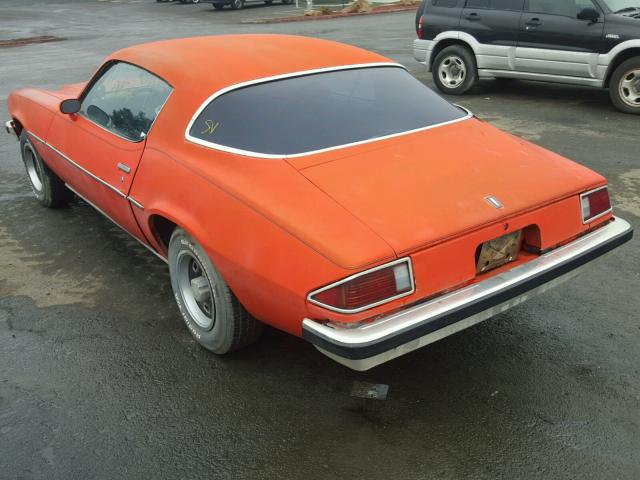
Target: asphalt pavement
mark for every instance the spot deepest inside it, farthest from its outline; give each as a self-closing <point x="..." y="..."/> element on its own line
<point x="99" y="378"/>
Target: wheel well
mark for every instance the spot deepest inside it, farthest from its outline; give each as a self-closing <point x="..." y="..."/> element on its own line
<point x="162" y="229"/>
<point x="621" y="57"/>
<point x="441" y="45"/>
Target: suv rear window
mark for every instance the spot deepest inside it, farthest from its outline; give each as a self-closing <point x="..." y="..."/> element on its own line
<point x="304" y="114"/>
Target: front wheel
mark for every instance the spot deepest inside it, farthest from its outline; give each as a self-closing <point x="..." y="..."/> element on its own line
<point x="48" y="188"/>
<point x="624" y="88"/>
<point x="237" y="4"/>
<point x="212" y="313"/>
<point x="454" y="70"/>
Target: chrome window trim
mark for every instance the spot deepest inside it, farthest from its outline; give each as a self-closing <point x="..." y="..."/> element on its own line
<point x="303" y="73"/>
<point x="406" y="260"/>
<point x="591" y="219"/>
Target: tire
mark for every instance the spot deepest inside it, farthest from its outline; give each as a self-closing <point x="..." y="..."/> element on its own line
<point x="49" y="190"/>
<point x="195" y="281"/>
<point x="237" y="4"/>
<point x="218" y="6"/>
<point x="454" y="70"/>
<point x="624" y="87"/>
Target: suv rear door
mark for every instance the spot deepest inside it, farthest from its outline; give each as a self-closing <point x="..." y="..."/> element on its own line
<point x="554" y="41"/>
<point x="495" y="24"/>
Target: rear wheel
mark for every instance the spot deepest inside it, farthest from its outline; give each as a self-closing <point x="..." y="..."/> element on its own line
<point x="237" y="4"/>
<point x="49" y="190"/>
<point x="212" y="313"/>
<point x="454" y="70"/>
<point x="624" y="88"/>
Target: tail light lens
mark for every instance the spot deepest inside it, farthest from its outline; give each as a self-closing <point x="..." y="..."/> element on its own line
<point x="367" y="289"/>
<point x="420" y="27"/>
<point x="595" y="204"/>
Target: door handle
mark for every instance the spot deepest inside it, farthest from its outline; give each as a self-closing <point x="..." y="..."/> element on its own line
<point x="534" y="22"/>
<point x="472" y="16"/>
<point x="124" y="168"/>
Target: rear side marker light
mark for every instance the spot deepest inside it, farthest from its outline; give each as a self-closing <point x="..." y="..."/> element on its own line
<point x="595" y="204"/>
<point x="367" y="289"/>
<point x="420" y="27"/>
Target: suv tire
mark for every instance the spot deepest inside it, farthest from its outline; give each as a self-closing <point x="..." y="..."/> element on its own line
<point x="624" y="88"/>
<point x="454" y="70"/>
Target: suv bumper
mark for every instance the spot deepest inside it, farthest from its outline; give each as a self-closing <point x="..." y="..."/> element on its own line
<point x="394" y="335"/>
<point x="422" y="50"/>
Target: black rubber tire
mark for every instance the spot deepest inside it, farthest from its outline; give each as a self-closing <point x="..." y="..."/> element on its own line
<point x="233" y="327"/>
<point x="469" y="60"/>
<point x="52" y="193"/>
<point x="614" y="85"/>
<point x="237" y="4"/>
<point x="218" y="6"/>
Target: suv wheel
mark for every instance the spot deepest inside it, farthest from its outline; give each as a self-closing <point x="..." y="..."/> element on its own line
<point x="237" y="4"/>
<point x="624" y="88"/>
<point x="454" y="70"/>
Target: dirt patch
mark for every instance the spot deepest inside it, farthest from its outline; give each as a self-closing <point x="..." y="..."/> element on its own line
<point x="19" y="42"/>
<point x="305" y="18"/>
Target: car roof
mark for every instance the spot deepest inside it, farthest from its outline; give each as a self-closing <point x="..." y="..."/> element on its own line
<point x="207" y="64"/>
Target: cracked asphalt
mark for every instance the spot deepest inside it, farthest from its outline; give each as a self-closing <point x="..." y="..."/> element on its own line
<point x="99" y="378"/>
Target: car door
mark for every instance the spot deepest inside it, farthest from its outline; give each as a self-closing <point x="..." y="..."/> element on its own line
<point x="495" y="25"/>
<point x="553" y="40"/>
<point x="102" y="144"/>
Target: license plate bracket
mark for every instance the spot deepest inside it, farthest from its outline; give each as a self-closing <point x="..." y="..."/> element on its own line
<point x="499" y="251"/>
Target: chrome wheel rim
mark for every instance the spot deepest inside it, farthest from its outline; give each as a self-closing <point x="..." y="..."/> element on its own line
<point x="452" y="71"/>
<point x="196" y="291"/>
<point x="33" y="168"/>
<point x="630" y="88"/>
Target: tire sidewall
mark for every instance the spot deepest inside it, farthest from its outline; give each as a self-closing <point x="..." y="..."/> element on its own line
<point x="220" y="337"/>
<point x="470" y="64"/>
<point x="614" y="86"/>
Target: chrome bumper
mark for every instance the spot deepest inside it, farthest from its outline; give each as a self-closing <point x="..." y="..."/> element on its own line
<point x="396" y="334"/>
<point x="11" y="128"/>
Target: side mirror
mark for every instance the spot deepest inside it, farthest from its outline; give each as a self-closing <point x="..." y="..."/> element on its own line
<point x="590" y="14"/>
<point x="69" y="106"/>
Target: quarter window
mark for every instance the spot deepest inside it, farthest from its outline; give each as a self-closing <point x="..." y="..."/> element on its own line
<point x="125" y="100"/>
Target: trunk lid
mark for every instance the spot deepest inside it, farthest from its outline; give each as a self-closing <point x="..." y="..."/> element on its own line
<point x="423" y="188"/>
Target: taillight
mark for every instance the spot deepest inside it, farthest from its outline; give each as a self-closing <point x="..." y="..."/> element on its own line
<point x="367" y="289"/>
<point x="595" y="204"/>
<point x="420" y="27"/>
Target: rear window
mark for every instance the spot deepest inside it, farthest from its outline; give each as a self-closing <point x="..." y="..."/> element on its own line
<point x="304" y="114"/>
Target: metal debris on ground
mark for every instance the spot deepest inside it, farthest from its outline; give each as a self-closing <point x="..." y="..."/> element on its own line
<point x="373" y="391"/>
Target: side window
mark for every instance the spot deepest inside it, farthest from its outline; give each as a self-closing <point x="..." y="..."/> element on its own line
<point x="445" y="3"/>
<point x="515" y="5"/>
<point x="568" y="8"/>
<point x="125" y="100"/>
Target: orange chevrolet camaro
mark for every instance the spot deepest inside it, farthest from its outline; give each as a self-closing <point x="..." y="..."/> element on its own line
<point x="314" y="187"/>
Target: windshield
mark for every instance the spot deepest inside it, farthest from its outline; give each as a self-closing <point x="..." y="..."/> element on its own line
<point x="618" y="5"/>
<point x="299" y="115"/>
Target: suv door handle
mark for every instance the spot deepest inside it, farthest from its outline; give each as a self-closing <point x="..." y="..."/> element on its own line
<point x="472" y="16"/>
<point x="534" y="22"/>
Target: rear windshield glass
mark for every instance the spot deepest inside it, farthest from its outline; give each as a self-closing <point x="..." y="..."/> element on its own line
<point x="303" y="114"/>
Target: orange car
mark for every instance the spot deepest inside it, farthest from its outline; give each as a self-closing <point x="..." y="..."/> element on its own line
<point x="314" y="187"/>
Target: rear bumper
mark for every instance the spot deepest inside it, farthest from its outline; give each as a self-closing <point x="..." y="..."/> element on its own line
<point x="396" y="334"/>
<point x="10" y="127"/>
